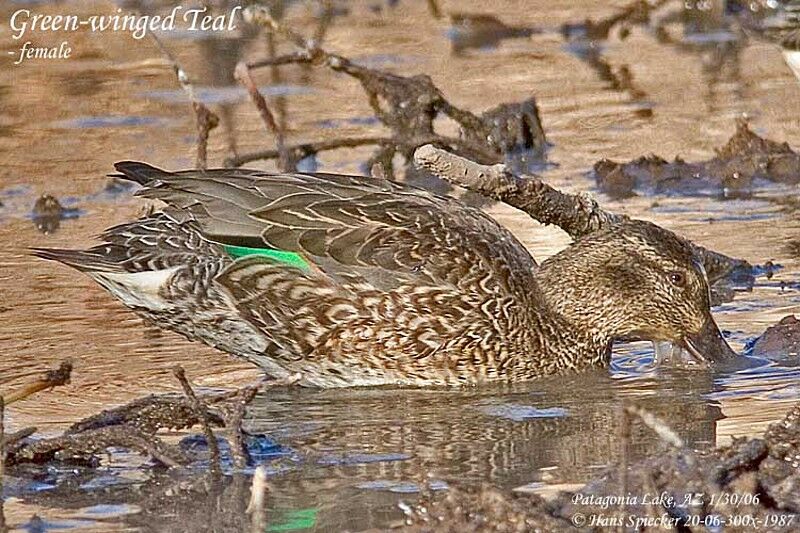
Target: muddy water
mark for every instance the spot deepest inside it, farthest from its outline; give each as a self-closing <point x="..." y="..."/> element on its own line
<point x="344" y="459"/>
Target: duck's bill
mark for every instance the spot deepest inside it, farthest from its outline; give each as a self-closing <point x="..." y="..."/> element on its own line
<point x="704" y="348"/>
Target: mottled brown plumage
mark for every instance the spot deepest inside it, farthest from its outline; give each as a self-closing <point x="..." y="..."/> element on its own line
<point x="391" y="284"/>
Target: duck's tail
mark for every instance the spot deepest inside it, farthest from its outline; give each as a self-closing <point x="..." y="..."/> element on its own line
<point x="141" y="289"/>
<point x="138" y="172"/>
<point x="83" y="260"/>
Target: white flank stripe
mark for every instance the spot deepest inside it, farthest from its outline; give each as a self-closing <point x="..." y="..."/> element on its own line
<point x="792" y="58"/>
<point x="139" y="289"/>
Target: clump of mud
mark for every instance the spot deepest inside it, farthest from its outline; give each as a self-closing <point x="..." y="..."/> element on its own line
<point x="733" y="172"/>
<point x="47" y="213"/>
<point x="134" y="426"/>
<point x="782" y="339"/>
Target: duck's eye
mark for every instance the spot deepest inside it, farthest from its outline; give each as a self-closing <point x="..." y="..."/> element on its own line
<point x="677" y="278"/>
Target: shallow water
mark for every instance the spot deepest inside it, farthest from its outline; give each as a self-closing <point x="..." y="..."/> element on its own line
<point x="347" y="457"/>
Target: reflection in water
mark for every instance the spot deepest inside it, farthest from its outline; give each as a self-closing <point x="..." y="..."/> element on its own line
<point x="468" y="30"/>
<point x="619" y="79"/>
<point x="48" y="213"/>
<point x="356" y="453"/>
<point x="713" y="33"/>
<point x="713" y="30"/>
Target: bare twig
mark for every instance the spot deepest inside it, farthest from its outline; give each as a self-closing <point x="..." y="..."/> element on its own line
<point x="325" y="19"/>
<point x="206" y="120"/>
<point x="233" y="424"/>
<point x="578" y="215"/>
<point x="152" y="414"/>
<point x="300" y="151"/>
<point x="434" y="10"/>
<point x="242" y="74"/>
<point x="289" y="59"/>
<point x="202" y="414"/>
<point x="257" y="14"/>
<point x="406" y="105"/>
<point x="12" y="440"/>
<point x="52" y="378"/>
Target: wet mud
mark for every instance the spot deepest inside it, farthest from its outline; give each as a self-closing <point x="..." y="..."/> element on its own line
<point x="745" y="162"/>
<point x="779" y="340"/>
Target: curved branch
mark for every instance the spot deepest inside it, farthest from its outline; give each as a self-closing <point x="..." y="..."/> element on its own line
<point x="577" y="214"/>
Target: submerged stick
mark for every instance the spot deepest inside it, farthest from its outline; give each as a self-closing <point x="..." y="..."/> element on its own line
<point x="202" y="414"/>
<point x="234" y="426"/>
<point x="97" y="440"/>
<point x="658" y="426"/>
<point x="578" y="215"/>
<point x="52" y="378"/>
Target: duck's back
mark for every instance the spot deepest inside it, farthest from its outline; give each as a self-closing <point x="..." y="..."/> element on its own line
<point x="349" y="280"/>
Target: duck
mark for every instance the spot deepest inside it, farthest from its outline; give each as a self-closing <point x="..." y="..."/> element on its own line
<point x="364" y="281"/>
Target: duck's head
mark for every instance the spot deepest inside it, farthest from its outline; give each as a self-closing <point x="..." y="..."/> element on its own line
<point x="636" y="280"/>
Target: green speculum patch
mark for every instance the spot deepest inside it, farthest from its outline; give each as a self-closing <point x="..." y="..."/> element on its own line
<point x="289" y="258"/>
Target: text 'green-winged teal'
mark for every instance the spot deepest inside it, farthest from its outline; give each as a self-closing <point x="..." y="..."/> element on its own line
<point x="364" y="281"/>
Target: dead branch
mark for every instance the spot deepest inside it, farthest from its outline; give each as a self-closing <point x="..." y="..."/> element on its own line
<point x="234" y="415"/>
<point x="434" y="10"/>
<point x="243" y="76"/>
<point x="202" y="414"/>
<point x="408" y="107"/>
<point x="297" y="58"/>
<point x="12" y="441"/>
<point x="257" y="14"/>
<point x="301" y="151"/>
<point x="152" y="414"/>
<point x="578" y="215"/>
<point x="52" y="378"/>
<point x="233" y="424"/>
<point x="77" y="447"/>
<point x="324" y="23"/>
<point x="206" y="120"/>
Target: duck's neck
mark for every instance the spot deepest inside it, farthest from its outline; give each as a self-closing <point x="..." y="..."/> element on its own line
<point x="581" y="338"/>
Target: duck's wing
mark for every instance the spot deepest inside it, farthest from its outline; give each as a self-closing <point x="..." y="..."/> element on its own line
<point x="384" y="232"/>
<point x="400" y="285"/>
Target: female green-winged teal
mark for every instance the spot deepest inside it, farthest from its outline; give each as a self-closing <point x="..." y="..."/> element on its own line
<point x="364" y="281"/>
